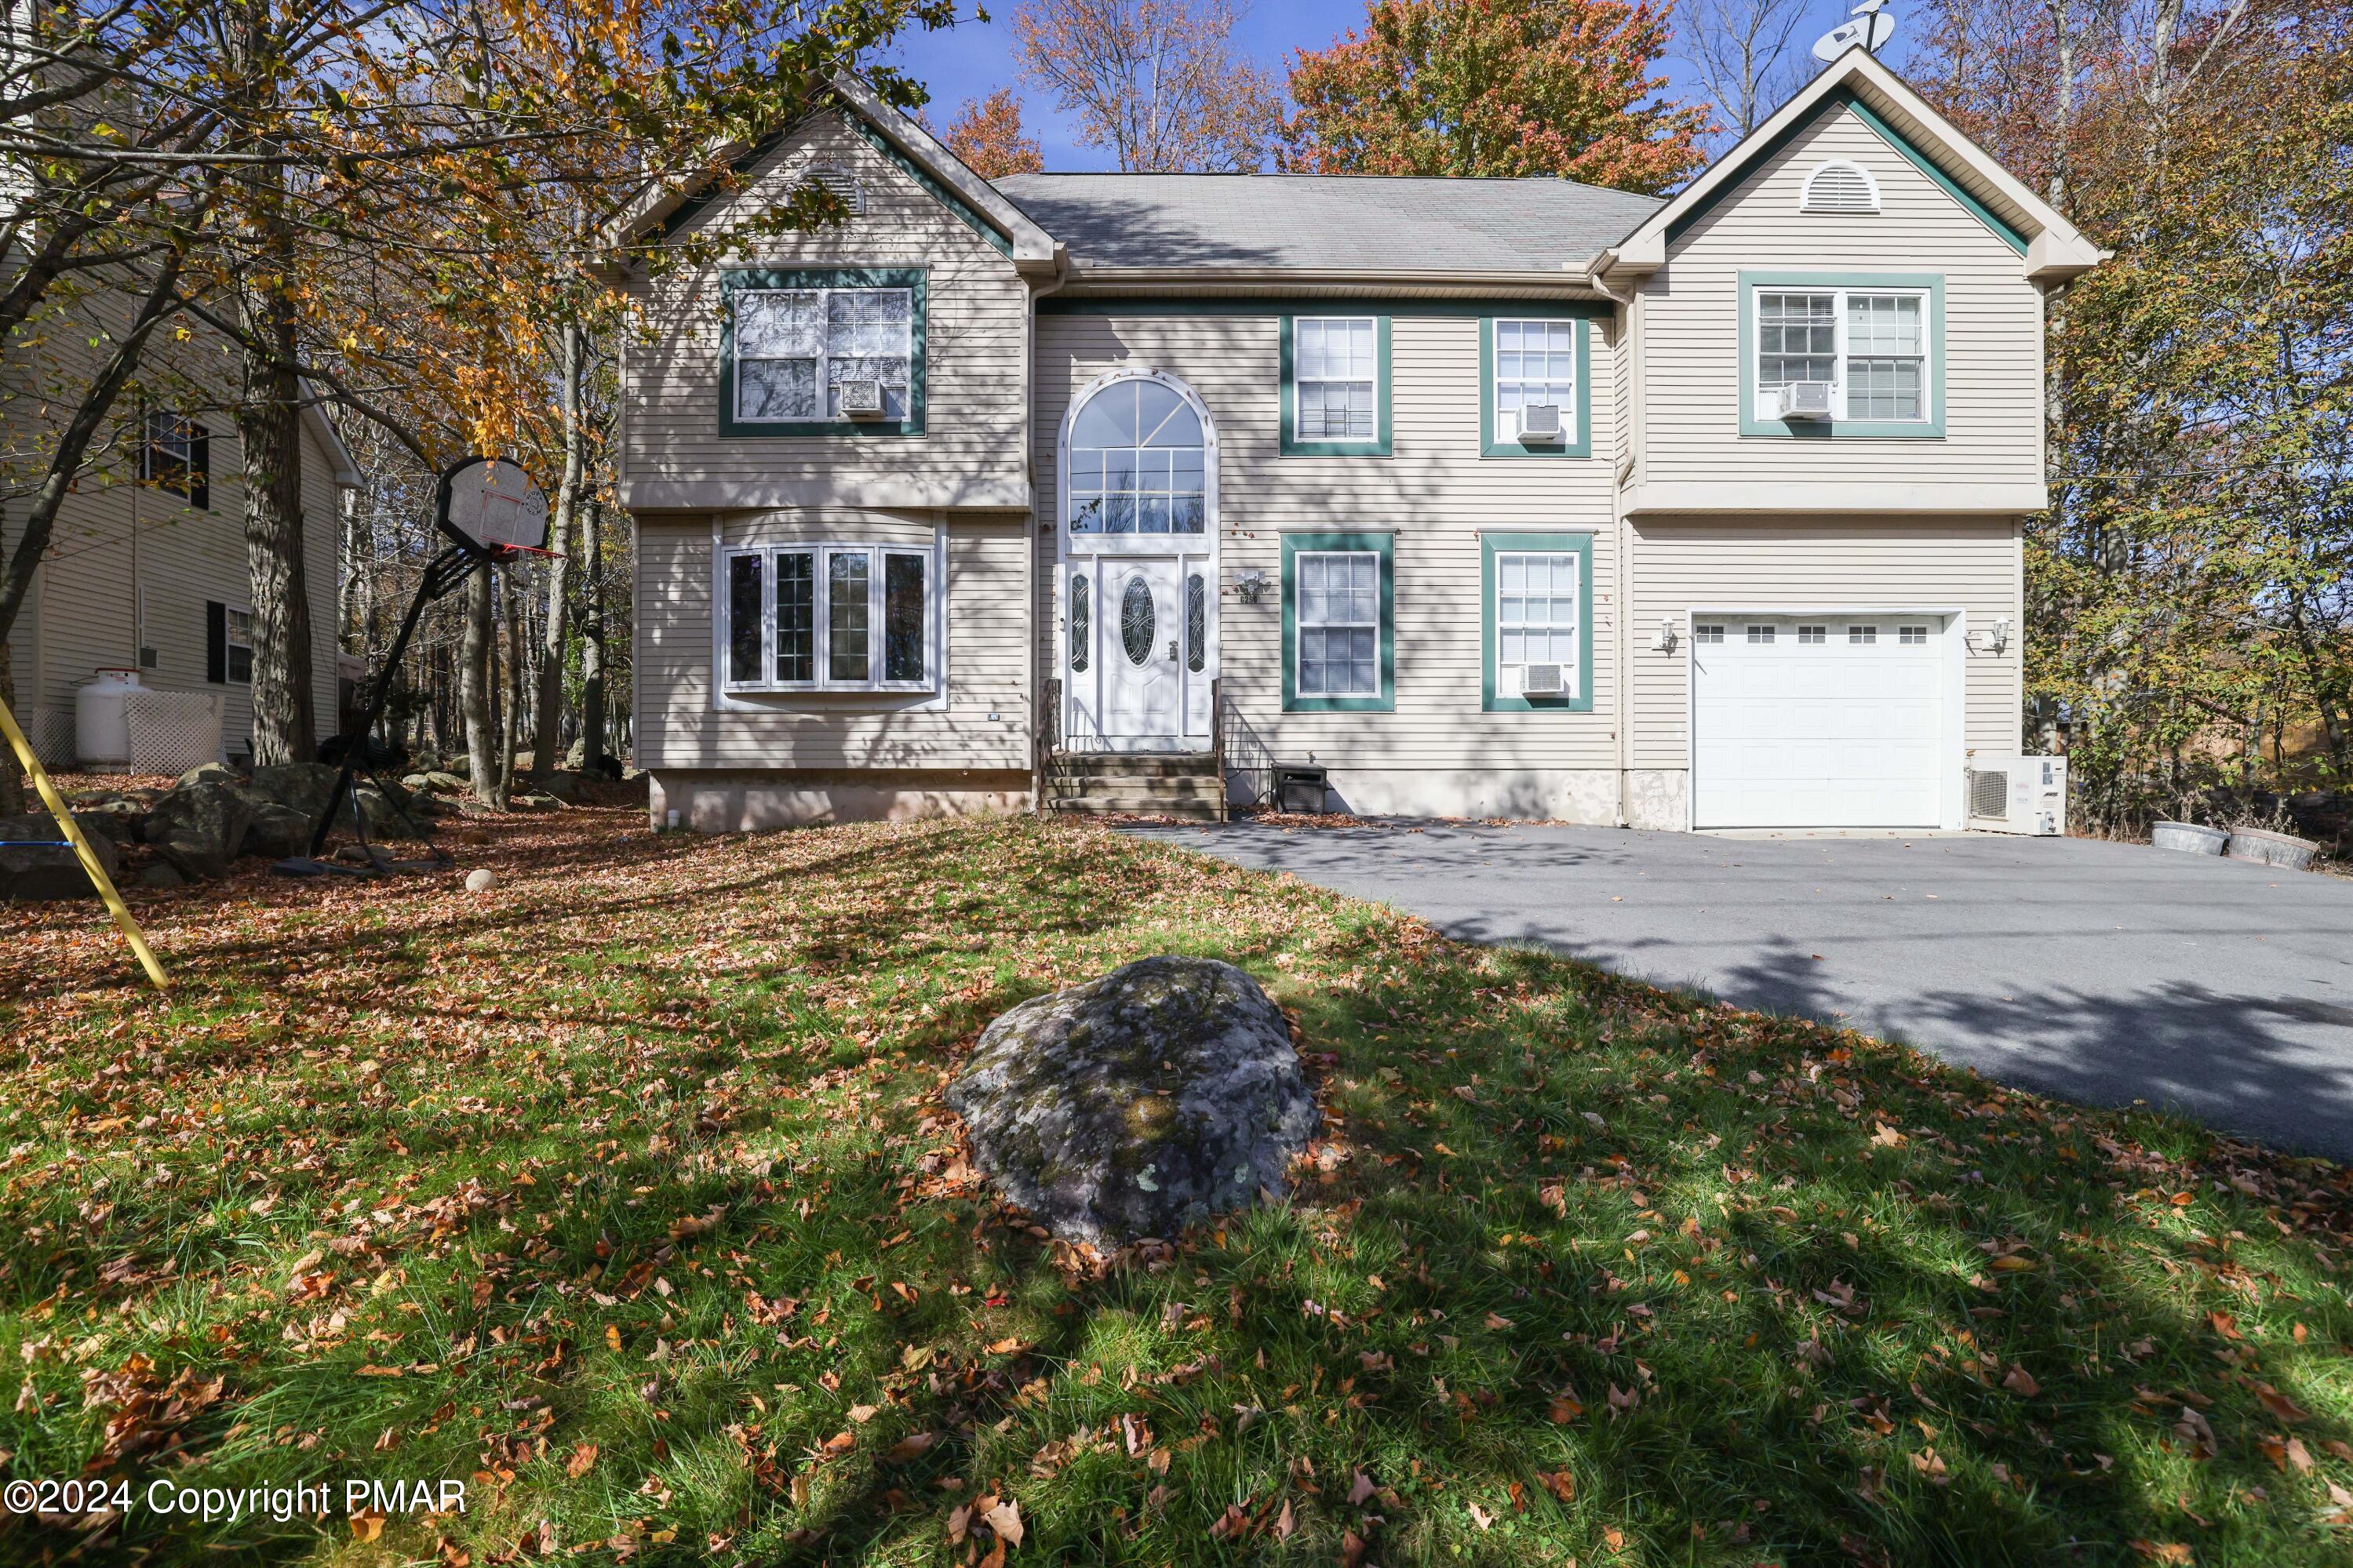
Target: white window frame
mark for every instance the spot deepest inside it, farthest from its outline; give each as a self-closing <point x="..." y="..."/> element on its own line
<point x="229" y="645"/>
<point x="1300" y="628"/>
<point x="1507" y="423"/>
<point x="1841" y="355"/>
<point x="1574" y="686"/>
<point x="825" y="413"/>
<point x="878" y="555"/>
<point x="1300" y="381"/>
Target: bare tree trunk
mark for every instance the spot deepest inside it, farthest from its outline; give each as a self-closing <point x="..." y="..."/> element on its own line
<point x="475" y="680"/>
<point x="518" y="640"/>
<point x="11" y="775"/>
<point x="269" y="436"/>
<point x="548" y="737"/>
<point x="592" y="641"/>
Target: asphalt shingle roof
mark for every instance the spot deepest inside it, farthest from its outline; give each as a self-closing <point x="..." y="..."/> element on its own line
<point x="1327" y="222"/>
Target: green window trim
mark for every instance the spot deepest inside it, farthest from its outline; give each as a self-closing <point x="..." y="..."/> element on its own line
<point x="1578" y="545"/>
<point x="1378" y="446"/>
<point x="1929" y="429"/>
<point x="733" y="280"/>
<point x="1579" y="443"/>
<point x="1385" y="547"/>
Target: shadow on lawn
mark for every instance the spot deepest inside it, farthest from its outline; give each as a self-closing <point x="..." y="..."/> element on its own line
<point x="1827" y="1364"/>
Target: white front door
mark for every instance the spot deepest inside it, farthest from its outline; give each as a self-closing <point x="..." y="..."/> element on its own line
<point x="1140" y="648"/>
<point x="1818" y="720"/>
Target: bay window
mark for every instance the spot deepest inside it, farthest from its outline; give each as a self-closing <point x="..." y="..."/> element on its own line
<point x="829" y="617"/>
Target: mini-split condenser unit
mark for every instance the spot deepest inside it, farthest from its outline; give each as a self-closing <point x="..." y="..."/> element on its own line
<point x="1803" y="400"/>
<point x="861" y="399"/>
<point x="2018" y="794"/>
<point x="1542" y="680"/>
<point x="1540" y="422"/>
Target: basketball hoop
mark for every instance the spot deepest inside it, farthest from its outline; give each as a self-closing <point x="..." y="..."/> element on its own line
<point x="492" y="509"/>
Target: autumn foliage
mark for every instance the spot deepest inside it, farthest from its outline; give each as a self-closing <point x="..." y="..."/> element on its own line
<point x="1495" y="87"/>
<point x="986" y="134"/>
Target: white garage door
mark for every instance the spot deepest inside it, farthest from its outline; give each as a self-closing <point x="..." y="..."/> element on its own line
<point x="1817" y="720"/>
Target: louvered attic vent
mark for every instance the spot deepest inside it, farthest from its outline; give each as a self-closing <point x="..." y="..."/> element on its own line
<point x="1841" y="187"/>
<point x="843" y="184"/>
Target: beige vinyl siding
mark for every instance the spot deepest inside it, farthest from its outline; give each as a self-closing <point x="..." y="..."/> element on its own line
<point x="1993" y="327"/>
<point x="1436" y="492"/>
<point x="116" y="540"/>
<point x="679" y="728"/>
<point x="672" y="453"/>
<point x="1893" y="563"/>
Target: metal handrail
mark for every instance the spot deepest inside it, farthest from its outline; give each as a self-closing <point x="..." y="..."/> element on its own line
<point x="1217" y="742"/>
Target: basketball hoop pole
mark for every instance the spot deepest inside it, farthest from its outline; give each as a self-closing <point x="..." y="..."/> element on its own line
<point x="447" y="572"/>
<point x="472" y="545"/>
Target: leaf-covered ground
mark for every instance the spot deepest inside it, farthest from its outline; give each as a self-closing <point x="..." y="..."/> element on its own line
<point x="625" y="1191"/>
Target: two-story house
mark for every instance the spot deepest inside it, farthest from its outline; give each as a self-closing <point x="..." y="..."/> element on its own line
<point x="1510" y="498"/>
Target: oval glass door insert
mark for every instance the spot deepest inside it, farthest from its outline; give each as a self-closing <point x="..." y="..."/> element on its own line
<point x="1137" y="623"/>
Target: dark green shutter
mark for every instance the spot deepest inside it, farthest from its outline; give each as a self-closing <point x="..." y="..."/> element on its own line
<point x="217" y="643"/>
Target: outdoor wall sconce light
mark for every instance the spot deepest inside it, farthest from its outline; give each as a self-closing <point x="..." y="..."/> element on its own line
<point x="1664" y="639"/>
<point x="1251" y="584"/>
<point x="1996" y="638"/>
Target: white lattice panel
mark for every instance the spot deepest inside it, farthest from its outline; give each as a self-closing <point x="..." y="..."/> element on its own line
<point x="172" y="732"/>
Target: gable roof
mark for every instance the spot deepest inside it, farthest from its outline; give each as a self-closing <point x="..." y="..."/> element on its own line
<point x="1325" y="223"/>
<point x="898" y="138"/>
<point x="1856" y="80"/>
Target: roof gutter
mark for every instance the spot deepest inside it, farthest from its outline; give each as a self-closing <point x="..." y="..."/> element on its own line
<point x="1084" y="279"/>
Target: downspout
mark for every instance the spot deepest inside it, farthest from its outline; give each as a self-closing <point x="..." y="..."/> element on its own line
<point x="1035" y="619"/>
<point x="1622" y="575"/>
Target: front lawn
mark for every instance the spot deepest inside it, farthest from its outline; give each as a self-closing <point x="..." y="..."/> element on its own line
<point x="625" y="1192"/>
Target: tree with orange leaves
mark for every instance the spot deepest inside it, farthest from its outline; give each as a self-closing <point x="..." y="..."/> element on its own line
<point x="986" y="134"/>
<point x="1496" y="87"/>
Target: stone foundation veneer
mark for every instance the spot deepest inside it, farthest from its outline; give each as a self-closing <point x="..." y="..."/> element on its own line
<point x="708" y="801"/>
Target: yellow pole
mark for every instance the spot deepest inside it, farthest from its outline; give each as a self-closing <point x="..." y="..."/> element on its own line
<point x="39" y="775"/>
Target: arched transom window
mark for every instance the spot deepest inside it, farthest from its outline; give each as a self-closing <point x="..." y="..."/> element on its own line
<point x="1137" y="463"/>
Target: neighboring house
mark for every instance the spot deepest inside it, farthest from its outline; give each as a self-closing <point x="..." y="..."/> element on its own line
<point x="147" y="572"/>
<point x="1511" y="498"/>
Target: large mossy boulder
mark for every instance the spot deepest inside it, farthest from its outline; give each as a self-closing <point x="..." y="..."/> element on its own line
<point x="200" y="828"/>
<point x="1139" y="1103"/>
<point x="32" y="870"/>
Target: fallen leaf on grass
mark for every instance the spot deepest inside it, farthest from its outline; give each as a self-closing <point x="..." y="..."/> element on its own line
<point x="2281" y="1406"/>
<point x="912" y="1446"/>
<point x="862" y="1414"/>
<point x="1482" y="1518"/>
<point x="584" y="1459"/>
<point x="1361" y="1489"/>
<point x="1560" y="1483"/>
<point x="2164" y="1551"/>
<point x="2021" y="1381"/>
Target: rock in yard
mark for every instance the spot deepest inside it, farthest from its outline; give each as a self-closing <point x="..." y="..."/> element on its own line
<point x="200" y="828"/>
<point x="1135" y="1105"/>
<point x="299" y="786"/>
<point x="206" y="772"/>
<point x="482" y="881"/>
<point x="161" y="874"/>
<point x="33" y="874"/>
<point x="278" y="831"/>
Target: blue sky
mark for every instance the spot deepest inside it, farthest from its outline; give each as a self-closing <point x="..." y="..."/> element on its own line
<point x="975" y="57"/>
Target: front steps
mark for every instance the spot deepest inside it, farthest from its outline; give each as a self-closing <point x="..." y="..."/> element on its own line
<point x="1137" y="785"/>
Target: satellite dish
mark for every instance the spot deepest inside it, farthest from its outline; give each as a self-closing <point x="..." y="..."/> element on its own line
<point x="489" y="506"/>
<point x="1870" y="25"/>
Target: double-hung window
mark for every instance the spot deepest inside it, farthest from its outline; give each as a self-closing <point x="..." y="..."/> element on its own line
<point x="177" y="456"/>
<point x="1537" y="630"/>
<point x="1536" y="367"/>
<point x="822" y="352"/>
<point x="829" y="617"/>
<point x="1873" y="346"/>
<point x="1335" y="393"/>
<point x="1338" y="602"/>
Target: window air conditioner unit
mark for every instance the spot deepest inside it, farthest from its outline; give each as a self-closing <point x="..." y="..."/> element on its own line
<point x="861" y="399"/>
<point x="1803" y="400"/>
<point x="1542" y="680"/>
<point x="1540" y="422"/>
<point x="2018" y="794"/>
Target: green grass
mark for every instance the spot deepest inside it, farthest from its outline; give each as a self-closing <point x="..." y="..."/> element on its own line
<point x="625" y="1193"/>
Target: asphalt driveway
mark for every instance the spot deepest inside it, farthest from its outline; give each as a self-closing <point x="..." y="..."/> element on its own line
<point x="2104" y="972"/>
